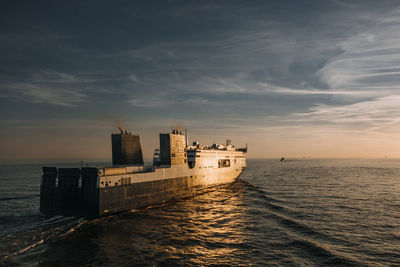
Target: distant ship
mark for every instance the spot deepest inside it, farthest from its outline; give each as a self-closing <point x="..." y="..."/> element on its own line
<point x="179" y="170"/>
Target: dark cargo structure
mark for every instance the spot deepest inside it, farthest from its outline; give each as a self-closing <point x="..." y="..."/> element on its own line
<point x="126" y="149"/>
<point x="69" y="191"/>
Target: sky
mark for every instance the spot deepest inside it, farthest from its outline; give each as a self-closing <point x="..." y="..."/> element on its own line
<point x="288" y="78"/>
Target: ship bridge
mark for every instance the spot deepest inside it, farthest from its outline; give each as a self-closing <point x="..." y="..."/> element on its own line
<point x="216" y="156"/>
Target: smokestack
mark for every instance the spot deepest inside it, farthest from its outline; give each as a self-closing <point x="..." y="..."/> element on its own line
<point x="119" y="125"/>
<point x="186" y="137"/>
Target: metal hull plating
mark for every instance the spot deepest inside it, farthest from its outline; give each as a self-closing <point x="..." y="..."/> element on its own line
<point x="140" y="195"/>
<point x="147" y="188"/>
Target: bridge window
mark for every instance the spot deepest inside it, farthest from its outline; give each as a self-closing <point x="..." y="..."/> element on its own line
<point x="223" y="163"/>
<point x="191" y="164"/>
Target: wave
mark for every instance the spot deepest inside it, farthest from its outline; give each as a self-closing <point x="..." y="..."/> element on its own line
<point x="24" y="249"/>
<point x="260" y="190"/>
<point x="52" y="233"/>
<point x="274" y="208"/>
<point x="17" y="198"/>
<point x="40" y="224"/>
<point x="300" y="227"/>
<point x="325" y="255"/>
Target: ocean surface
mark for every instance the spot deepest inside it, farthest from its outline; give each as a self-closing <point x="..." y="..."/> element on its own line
<point x="302" y="212"/>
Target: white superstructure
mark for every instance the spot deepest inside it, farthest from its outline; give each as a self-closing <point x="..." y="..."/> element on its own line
<point x="204" y="165"/>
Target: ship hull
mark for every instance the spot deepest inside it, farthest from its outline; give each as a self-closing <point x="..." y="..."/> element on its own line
<point x="141" y="195"/>
<point x="89" y="202"/>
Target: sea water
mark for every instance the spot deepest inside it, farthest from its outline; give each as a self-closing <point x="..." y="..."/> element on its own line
<point x="302" y="212"/>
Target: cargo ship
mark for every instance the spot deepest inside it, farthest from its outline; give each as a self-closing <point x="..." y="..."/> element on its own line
<point x="179" y="170"/>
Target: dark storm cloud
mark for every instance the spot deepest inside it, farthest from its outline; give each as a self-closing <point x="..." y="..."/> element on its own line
<point x="128" y="48"/>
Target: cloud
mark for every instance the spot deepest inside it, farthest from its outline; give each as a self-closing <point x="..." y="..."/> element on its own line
<point x="49" y="95"/>
<point x="364" y="80"/>
<point x="380" y="114"/>
<point x="47" y="87"/>
<point x="370" y="60"/>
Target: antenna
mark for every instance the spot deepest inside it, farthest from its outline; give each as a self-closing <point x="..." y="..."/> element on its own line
<point x="228" y="142"/>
